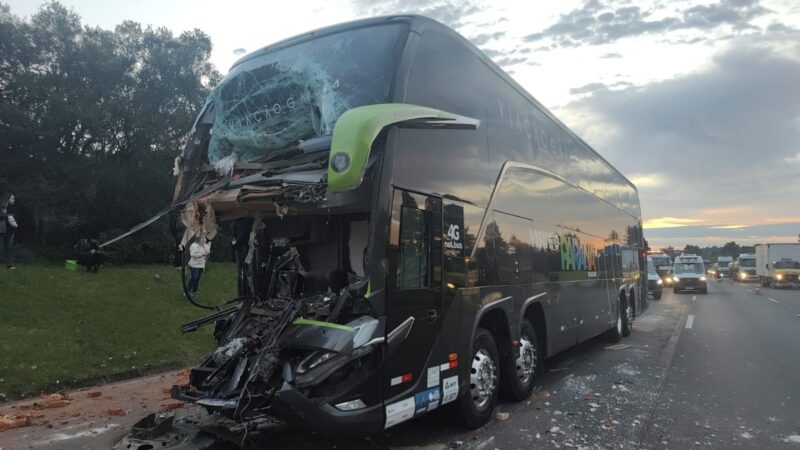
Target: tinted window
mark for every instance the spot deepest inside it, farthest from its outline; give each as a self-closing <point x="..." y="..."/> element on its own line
<point x="413" y="255"/>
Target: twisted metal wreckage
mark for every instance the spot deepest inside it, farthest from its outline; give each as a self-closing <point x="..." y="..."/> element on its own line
<point x="303" y="328"/>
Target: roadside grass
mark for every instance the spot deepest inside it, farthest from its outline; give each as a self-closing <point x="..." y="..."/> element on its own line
<point x="60" y="329"/>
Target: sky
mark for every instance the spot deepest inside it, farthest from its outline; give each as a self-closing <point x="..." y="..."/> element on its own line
<point x="697" y="102"/>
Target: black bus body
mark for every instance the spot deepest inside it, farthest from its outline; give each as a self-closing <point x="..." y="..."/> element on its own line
<point x="477" y="241"/>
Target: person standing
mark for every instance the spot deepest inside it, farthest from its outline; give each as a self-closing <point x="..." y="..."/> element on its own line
<point x="198" y="256"/>
<point x="8" y="229"/>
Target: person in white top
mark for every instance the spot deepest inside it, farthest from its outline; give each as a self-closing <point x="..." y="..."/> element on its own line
<point x="198" y="255"/>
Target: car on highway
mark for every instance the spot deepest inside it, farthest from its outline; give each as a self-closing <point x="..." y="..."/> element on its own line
<point x="654" y="283"/>
<point x="689" y="274"/>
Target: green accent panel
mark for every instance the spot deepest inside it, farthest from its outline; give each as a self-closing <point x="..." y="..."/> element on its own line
<point x="369" y="289"/>
<point x="357" y="128"/>
<point x="319" y="323"/>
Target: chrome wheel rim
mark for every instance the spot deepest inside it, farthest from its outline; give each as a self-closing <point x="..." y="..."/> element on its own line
<point x="526" y="360"/>
<point x="482" y="378"/>
<point x="619" y="319"/>
<point x="629" y="313"/>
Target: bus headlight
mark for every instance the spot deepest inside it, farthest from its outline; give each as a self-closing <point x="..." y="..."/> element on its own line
<point x="703" y="278"/>
<point x="676" y="279"/>
<point x="340" y="162"/>
<point x="779" y="276"/>
<point x="743" y="275"/>
<point x="659" y="281"/>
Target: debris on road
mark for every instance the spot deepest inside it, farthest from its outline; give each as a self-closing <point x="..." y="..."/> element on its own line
<point x="502" y="416"/>
<point x="94" y="394"/>
<point x="8" y="422"/>
<point x="117" y="412"/>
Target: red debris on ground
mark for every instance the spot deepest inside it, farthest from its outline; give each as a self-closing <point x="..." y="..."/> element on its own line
<point x="116" y="412"/>
<point x="8" y="422"/>
<point x="53" y="401"/>
<point x="94" y="394"/>
<point x="172" y="405"/>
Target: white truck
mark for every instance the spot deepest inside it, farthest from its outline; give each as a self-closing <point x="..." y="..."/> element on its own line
<point x="776" y="264"/>
<point x="724" y="266"/>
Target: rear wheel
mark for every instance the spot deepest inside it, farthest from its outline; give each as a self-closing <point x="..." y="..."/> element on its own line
<point x="657" y="295"/>
<point x="627" y="318"/>
<point x="522" y="365"/>
<point x="615" y="333"/>
<point x="477" y="403"/>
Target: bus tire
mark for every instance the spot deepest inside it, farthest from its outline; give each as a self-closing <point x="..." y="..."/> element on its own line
<point x="627" y="318"/>
<point x="522" y="365"/>
<point x="657" y="295"/>
<point x="477" y="403"/>
<point x="615" y="333"/>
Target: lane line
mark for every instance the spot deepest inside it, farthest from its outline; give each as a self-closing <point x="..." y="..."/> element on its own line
<point x="694" y="297"/>
<point x="772" y="300"/>
<point x="689" y="321"/>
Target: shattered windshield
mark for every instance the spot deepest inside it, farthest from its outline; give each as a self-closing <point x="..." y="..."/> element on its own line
<point x="272" y="101"/>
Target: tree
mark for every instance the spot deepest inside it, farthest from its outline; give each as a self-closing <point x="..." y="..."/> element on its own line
<point x="692" y="250"/>
<point x="91" y="119"/>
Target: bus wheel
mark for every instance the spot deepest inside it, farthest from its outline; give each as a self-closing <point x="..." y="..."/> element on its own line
<point x="522" y="365"/>
<point x="477" y="403"/>
<point x="615" y="333"/>
<point x="627" y="318"/>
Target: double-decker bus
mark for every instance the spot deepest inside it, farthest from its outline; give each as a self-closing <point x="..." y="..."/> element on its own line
<point x="413" y="230"/>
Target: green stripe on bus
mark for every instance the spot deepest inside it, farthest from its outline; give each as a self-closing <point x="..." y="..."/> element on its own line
<point x="356" y="130"/>
<point x="320" y="323"/>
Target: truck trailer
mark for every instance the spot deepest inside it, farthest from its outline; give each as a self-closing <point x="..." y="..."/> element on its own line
<point x="778" y="265"/>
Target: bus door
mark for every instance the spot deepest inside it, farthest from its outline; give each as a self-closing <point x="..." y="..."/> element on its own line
<point x="415" y="289"/>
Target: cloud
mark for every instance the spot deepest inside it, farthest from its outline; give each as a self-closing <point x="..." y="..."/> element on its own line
<point x="728" y="227"/>
<point x="588" y="88"/>
<point x="482" y="39"/>
<point x="450" y="12"/>
<point x="726" y="136"/>
<point x="601" y="22"/>
<point x="669" y="222"/>
<point x="509" y="61"/>
<point x="611" y="55"/>
<point x="650" y="180"/>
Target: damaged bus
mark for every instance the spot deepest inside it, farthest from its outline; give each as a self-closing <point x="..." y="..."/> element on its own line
<point x="412" y="231"/>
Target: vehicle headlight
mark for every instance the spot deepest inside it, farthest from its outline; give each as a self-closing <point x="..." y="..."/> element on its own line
<point x="676" y="279"/>
<point x="779" y="276"/>
<point x="313" y="360"/>
<point x="659" y="281"/>
<point x="743" y="275"/>
<point x="703" y="278"/>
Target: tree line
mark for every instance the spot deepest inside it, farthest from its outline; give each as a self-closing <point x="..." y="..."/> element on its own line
<point x="90" y="123"/>
<point x="731" y="249"/>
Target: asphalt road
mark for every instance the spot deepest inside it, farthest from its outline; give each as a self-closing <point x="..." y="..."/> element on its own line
<point x="699" y="371"/>
<point x="734" y="381"/>
<point x="720" y="370"/>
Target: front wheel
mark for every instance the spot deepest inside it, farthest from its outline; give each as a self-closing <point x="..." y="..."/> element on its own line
<point x="657" y="295"/>
<point x="522" y="365"/>
<point x="675" y="290"/>
<point x="477" y="403"/>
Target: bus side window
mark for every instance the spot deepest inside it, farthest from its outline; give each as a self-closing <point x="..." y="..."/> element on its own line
<point x="413" y="267"/>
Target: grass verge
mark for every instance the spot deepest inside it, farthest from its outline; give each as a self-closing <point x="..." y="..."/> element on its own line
<point x="59" y="329"/>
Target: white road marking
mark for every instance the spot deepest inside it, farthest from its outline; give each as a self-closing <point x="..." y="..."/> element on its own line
<point x="689" y="321"/>
<point x="772" y="300"/>
<point x="694" y="297"/>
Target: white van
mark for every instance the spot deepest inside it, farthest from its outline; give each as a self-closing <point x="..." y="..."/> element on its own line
<point x="688" y="273"/>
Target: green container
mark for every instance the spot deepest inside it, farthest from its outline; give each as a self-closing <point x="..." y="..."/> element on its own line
<point x="71" y="264"/>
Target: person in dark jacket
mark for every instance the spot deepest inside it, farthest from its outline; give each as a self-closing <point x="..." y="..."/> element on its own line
<point x="89" y="254"/>
<point x="8" y="229"/>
